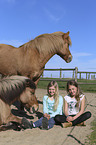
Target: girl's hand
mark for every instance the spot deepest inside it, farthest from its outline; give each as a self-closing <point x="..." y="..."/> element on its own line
<point x="47" y="116"/>
<point x="74" y="117"/>
<point x="69" y="118"/>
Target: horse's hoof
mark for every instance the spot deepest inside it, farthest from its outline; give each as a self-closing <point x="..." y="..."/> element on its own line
<point x="26" y="123"/>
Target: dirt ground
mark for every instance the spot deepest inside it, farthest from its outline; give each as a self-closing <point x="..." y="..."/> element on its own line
<point x="57" y="135"/>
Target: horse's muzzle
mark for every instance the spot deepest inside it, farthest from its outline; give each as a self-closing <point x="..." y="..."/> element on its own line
<point x="69" y="59"/>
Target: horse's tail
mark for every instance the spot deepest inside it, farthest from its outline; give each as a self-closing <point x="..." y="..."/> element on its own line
<point x="12" y="87"/>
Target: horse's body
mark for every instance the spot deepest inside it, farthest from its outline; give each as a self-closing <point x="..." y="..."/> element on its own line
<point x="11" y="89"/>
<point x="29" y="59"/>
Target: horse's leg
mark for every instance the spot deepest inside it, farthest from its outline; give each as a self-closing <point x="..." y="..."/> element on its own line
<point x="22" y="122"/>
<point x="7" y="116"/>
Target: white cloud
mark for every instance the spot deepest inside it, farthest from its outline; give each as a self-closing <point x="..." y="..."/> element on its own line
<point x="79" y="54"/>
<point x="52" y="16"/>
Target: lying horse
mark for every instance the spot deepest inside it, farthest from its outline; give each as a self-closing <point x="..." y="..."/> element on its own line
<point x="30" y="58"/>
<point x="11" y="89"/>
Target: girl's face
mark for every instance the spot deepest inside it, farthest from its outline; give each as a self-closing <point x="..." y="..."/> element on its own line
<point x="52" y="91"/>
<point x="72" y="90"/>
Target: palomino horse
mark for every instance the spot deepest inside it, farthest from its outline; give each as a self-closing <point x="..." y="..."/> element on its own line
<point x="29" y="59"/>
<point x="11" y="89"/>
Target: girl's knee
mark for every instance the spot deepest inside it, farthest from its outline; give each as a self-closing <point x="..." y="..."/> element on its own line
<point x="88" y="114"/>
<point x="57" y="118"/>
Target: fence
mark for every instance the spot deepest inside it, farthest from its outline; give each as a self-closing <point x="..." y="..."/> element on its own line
<point x="75" y="74"/>
<point x="89" y="75"/>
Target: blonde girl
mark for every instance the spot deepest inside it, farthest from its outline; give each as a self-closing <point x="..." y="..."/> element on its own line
<point x="52" y="105"/>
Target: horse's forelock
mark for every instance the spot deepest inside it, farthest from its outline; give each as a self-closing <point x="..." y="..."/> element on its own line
<point x="66" y="38"/>
<point x="11" y="88"/>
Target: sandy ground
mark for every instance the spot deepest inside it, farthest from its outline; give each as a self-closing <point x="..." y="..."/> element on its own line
<point x="56" y="136"/>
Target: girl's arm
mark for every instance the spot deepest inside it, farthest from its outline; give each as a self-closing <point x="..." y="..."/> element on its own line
<point x="82" y="108"/>
<point x="45" y="109"/>
<point x="65" y="108"/>
<point x="69" y="118"/>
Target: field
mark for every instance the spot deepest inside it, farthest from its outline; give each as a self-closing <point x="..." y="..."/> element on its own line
<point x="57" y="135"/>
<point x="88" y="86"/>
<point x="85" y="87"/>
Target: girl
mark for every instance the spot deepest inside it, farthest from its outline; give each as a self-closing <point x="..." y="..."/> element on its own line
<point x="74" y="105"/>
<point x="52" y="105"/>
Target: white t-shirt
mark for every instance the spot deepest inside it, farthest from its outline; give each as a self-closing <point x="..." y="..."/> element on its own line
<point x="72" y="109"/>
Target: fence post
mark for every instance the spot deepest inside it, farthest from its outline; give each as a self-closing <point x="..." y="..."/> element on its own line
<point x="89" y="76"/>
<point x="80" y="75"/>
<point x="73" y="74"/>
<point x="86" y="76"/>
<point x="76" y="71"/>
<point x="60" y="73"/>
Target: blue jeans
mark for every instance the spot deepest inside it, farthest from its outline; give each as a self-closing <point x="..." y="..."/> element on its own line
<point x="51" y="122"/>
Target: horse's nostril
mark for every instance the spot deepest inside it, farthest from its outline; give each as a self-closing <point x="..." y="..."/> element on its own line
<point x="70" y="58"/>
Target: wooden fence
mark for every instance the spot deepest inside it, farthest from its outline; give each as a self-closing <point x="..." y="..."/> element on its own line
<point x="88" y="75"/>
<point x="75" y="74"/>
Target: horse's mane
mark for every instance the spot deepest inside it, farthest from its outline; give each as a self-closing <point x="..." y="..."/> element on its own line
<point x="46" y="42"/>
<point x="11" y="87"/>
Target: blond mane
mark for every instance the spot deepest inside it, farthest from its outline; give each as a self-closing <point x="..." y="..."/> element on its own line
<point x="47" y="42"/>
<point x="11" y="87"/>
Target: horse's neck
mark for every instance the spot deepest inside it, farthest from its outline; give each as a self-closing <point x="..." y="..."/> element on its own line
<point x="41" y="55"/>
<point x="44" y="57"/>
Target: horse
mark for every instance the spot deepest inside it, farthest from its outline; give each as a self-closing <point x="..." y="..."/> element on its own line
<point x="13" y="88"/>
<point x="30" y="58"/>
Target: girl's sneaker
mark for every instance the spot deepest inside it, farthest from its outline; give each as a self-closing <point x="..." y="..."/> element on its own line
<point x="45" y="123"/>
<point x="67" y="124"/>
<point x="26" y="123"/>
<point x="81" y="124"/>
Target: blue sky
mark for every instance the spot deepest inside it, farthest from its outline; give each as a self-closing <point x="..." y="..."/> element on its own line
<point x="23" y="20"/>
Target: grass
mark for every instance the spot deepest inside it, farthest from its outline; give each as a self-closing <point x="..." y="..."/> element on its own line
<point x="92" y="137"/>
<point x="91" y="88"/>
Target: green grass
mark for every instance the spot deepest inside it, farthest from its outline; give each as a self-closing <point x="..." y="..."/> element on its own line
<point x="91" y="88"/>
<point x="92" y="137"/>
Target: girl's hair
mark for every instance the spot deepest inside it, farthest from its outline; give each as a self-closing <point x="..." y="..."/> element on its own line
<point x="74" y="83"/>
<point x="56" y="94"/>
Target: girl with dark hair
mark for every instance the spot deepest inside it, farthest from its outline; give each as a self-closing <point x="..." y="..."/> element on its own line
<point x="74" y="106"/>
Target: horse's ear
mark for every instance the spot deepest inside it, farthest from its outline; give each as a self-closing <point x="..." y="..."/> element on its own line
<point x="68" y="32"/>
<point x="30" y="84"/>
<point x="66" y="35"/>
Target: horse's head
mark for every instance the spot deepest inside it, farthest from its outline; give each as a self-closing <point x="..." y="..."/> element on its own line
<point x="64" y="51"/>
<point x="29" y="100"/>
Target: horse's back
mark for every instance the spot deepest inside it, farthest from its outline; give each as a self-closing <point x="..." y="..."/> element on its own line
<point x="5" y="46"/>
